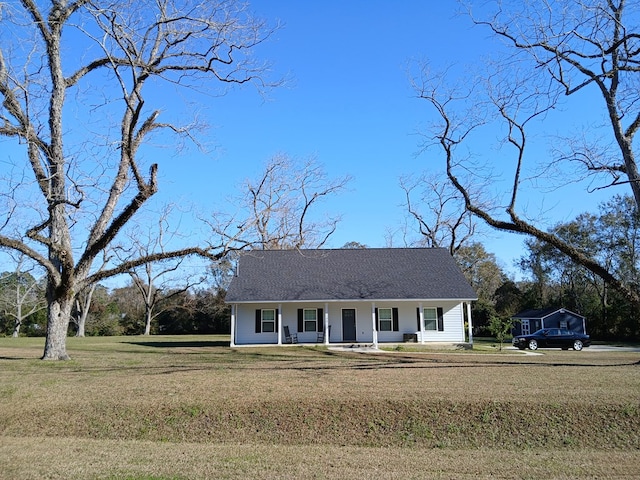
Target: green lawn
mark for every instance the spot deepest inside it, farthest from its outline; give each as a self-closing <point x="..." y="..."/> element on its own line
<point x="190" y="407"/>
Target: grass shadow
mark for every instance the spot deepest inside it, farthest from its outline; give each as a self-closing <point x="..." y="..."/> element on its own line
<point x="181" y="344"/>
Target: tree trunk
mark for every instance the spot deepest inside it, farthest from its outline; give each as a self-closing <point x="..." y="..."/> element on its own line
<point x="58" y="316"/>
<point x="147" y="325"/>
<point x="81" y="322"/>
<point x="18" y="321"/>
<point x="83" y="308"/>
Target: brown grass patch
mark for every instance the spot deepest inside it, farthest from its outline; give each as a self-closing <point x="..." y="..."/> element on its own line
<point x="81" y="459"/>
<point x="143" y="397"/>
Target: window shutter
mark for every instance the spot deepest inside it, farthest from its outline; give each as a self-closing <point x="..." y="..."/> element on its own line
<point x="440" y="320"/>
<point x="396" y="325"/>
<point x="258" y="321"/>
<point x="300" y="320"/>
<point x="320" y="320"/>
<point x="418" y="314"/>
<point x="375" y="311"/>
<point x="276" y="319"/>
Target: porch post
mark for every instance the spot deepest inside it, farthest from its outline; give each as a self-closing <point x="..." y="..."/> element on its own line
<point x="234" y="309"/>
<point x="470" y="324"/>
<point x="326" y="324"/>
<point x="373" y="324"/>
<point x="421" y="315"/>
<point x="280" y="327"/>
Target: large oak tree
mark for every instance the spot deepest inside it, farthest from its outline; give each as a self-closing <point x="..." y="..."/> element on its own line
<point x="554" y="56"/>
<point x="81" y="95"/>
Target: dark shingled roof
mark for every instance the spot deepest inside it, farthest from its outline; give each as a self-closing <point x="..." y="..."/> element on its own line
<point x="348" y="274"/>
<point x="542" y="312"/>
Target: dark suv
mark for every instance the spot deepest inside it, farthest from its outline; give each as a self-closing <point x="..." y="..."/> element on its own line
<point x="552" y="338"/>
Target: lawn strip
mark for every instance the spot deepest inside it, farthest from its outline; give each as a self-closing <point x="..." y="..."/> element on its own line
<point x="71" y="459"/>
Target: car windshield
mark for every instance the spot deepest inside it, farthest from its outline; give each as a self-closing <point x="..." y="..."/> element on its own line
<point x="552" y="332"/>
<point x="544" y="331"/>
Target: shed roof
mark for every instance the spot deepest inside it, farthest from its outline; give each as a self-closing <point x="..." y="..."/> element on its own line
<point x="543" y="312"/>
<point x="348" y="274"/>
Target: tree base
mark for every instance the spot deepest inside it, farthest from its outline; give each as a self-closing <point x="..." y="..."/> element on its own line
<point x="62" y="356"/>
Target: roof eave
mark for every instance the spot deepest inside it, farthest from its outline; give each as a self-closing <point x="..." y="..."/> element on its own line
<point x="344" y="300"/>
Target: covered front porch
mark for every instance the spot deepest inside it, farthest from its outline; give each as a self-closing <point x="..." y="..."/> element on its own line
<point x="351" y="323"/>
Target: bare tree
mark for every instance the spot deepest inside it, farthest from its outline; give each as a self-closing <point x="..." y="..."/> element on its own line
<point x="279" y="209"/>
<point x="558" y="48"/>
<point x="80" y="312"/>
<point x="155" y="288"/>
<point x="160" y="281"/>
<point x="439" y="211"/>
<point x="281" y="204"/>
<point x="221" y="272"/>
<point x="21" y="294"/>
<point x="81" y="309"/>
<point x="94" y="61"/>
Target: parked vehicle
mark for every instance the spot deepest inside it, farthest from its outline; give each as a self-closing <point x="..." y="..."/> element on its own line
<point x="552" y="338"/>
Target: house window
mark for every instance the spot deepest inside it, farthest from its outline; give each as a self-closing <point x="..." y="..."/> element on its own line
<point x="526" y="328"/>
<point x="310" y="319"/>
<point x="564" y="324"/>
<point x="268" y="320"/>
<point x="385" y="319"/>
<point x="430" y="319"/>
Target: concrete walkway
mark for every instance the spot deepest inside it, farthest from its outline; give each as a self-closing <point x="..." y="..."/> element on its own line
<point x="355" y="347"/>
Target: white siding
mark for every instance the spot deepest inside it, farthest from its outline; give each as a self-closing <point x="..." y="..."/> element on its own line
<point x="453" y="323"/>
<point x="246" y="326"/>
<point x="407" y="316"/>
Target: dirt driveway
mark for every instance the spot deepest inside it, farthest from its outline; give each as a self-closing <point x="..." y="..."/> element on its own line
<point x="610" y="348"/>
<point x="592" y="348"/>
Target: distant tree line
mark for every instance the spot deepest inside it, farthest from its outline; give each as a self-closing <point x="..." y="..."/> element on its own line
<point x="121" y="311"/>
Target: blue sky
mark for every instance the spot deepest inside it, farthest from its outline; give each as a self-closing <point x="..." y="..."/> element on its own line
<point x="349" y="103"/>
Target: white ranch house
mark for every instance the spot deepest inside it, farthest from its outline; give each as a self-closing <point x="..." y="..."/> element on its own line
<point x="385" y="295"/>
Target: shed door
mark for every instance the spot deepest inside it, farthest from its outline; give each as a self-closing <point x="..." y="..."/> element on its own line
<point x="349" y="325"/>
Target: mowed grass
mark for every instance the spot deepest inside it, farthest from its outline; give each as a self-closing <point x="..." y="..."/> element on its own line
<point x="191" y="407"/>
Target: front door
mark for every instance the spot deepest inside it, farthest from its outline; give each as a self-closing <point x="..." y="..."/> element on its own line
<point x="349" y="325"/>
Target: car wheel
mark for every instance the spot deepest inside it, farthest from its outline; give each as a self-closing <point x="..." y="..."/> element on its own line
<point x="577" y="345"/>
<point x="533" y="345"/>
